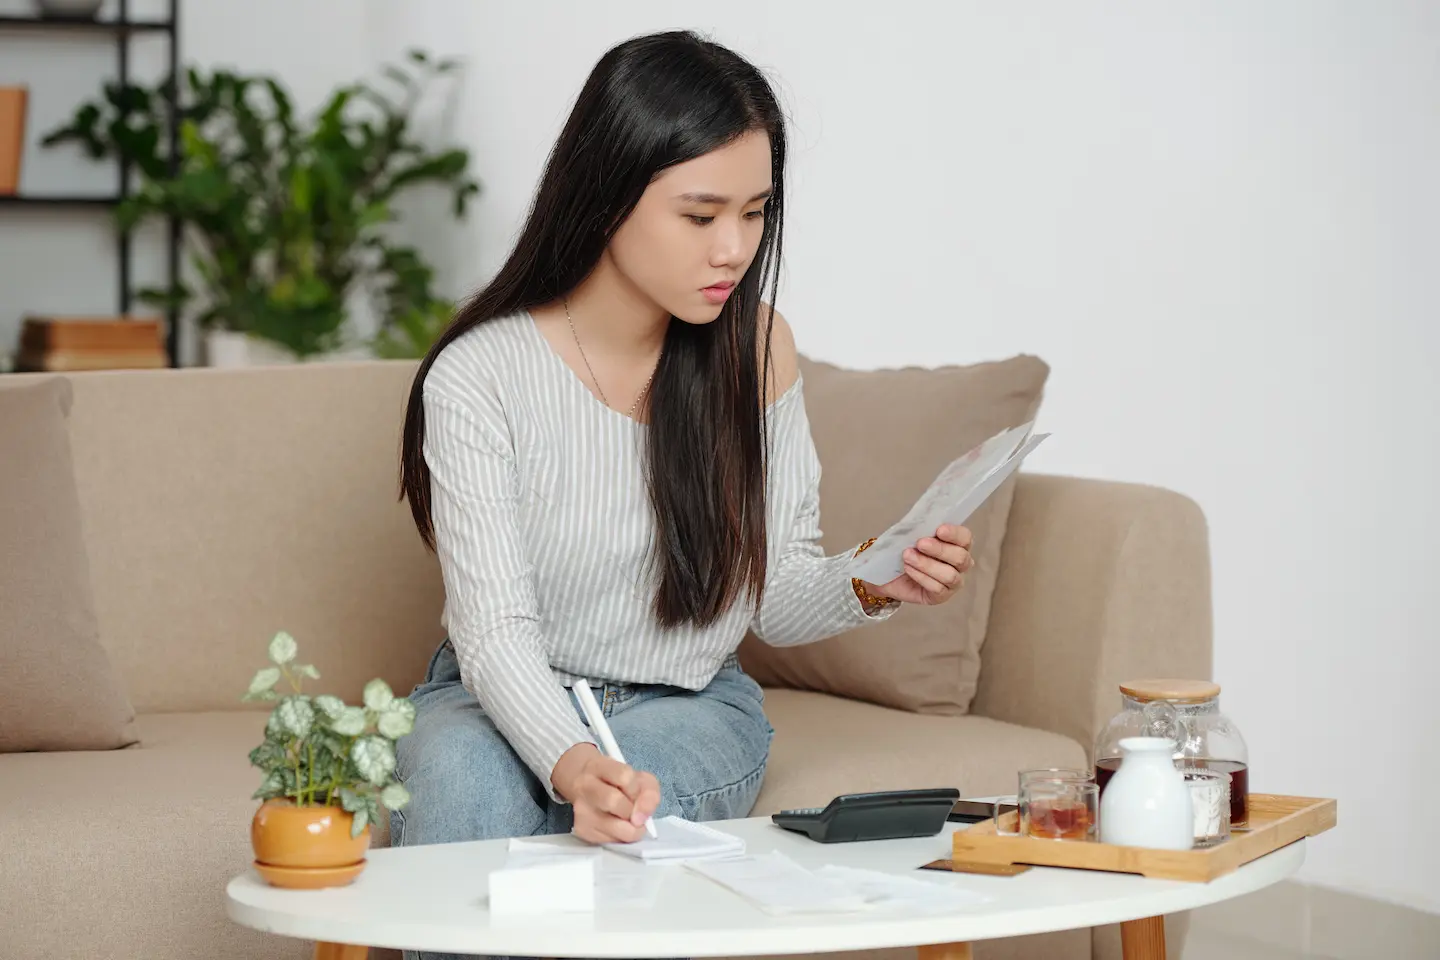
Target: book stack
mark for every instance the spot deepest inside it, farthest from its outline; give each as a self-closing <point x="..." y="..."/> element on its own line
<point x="57" y="344"/>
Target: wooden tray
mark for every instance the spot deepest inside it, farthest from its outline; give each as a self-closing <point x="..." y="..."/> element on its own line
<point x="1275" y="822"/>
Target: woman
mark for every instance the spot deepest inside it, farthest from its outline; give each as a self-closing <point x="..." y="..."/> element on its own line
<point x="608" y="450"/>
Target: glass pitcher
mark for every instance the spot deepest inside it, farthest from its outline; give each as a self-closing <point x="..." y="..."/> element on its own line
<point x="1188" y="712"/>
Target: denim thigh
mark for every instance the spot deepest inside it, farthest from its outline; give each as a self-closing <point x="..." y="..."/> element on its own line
<point x="465" y="780"/>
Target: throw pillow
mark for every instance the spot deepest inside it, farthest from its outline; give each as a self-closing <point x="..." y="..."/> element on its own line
<point x="58" y="688"/>
<point x="882" y="437"/>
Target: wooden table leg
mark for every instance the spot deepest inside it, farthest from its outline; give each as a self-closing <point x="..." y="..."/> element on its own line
<point x="340" y="951"/>
<point x="1143" y="939"/>
<point x="946" y="951"/>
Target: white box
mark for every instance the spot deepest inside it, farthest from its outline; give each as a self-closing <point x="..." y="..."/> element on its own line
<point x="543" y="885"/>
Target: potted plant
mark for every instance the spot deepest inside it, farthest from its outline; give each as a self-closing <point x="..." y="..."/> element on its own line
<point x="285" y="217"/>
<point x="414" y="316"/>
<point x="329" y="770"/>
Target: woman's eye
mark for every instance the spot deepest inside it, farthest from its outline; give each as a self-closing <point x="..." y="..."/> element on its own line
<point x="699" y="221"/>
<point x="756" y="214"/>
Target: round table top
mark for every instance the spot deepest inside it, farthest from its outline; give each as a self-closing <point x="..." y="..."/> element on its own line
<point x="433" y="898"/>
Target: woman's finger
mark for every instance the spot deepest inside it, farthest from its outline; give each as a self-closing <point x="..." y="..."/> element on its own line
<point x="957" y="557"/>
<point x="938" y="570"/>
<point x="592" y="826"/>
<point x="958" y="535"/>
<point x="647" y="798"/>
<point x="607" y="799"/>
<point x="925" y="581"/>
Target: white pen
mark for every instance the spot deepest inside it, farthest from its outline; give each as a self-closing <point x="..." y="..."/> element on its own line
<point x="602" y="730"/>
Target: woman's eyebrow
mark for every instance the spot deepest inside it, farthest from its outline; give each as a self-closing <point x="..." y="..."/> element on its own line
<point x="718" y="199"/>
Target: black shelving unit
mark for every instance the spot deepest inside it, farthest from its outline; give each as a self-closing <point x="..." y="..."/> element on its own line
<point x="120" y="29"/>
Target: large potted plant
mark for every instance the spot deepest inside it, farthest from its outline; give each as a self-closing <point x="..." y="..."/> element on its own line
<point x="329" y="772"/>
<point x="285" y="218"/>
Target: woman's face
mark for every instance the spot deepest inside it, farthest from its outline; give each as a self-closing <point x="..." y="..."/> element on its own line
<point x="696" y="228"/>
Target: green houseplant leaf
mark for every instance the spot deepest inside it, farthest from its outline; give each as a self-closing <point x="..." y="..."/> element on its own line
<point x="281" y="214"/>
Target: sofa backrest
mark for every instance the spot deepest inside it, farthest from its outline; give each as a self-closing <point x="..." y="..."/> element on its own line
<point x="220" y="506"/>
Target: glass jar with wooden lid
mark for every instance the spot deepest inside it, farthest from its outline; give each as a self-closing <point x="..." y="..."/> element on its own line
<point x="1187" y="712"/>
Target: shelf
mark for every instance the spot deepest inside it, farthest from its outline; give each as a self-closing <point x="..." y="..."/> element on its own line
<point x="57" y="201"/>
<point x="86" y="26"/>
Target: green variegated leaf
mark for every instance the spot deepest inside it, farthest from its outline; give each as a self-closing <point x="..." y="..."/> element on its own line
<point x="394" y="796"/>
<point x="401" y="706"/>
<point x="267" y="755"/>
<point x="282" y="648"/>
<point x="296" y="715"/>
<point x="374" y="757"/>
<point x="271" y="787"/>
<point x="373" y="810"/>
<point x="262" y="682"/>
<point x="275" y="730"/>
<point x="306" y="670"/>
<point x="332" y="707"/>
<point x="377" y="695"/>
<point x="350" y="723"/>
<point x="362" y="819"/>
<point x="350" y="800"/>
<point x="394" y="725"/>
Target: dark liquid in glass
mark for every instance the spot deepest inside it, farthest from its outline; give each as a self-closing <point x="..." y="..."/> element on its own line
<point x="1239" y="783"/>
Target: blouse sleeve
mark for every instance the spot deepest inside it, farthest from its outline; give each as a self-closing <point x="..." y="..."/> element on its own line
<point x="808" y="596"/>
<point x="491" y="609"/>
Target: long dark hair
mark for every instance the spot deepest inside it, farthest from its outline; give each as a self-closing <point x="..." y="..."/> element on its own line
<point x="650" y="103"/>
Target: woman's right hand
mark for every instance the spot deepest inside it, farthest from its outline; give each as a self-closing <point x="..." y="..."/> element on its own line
<point x="612" y="800"/>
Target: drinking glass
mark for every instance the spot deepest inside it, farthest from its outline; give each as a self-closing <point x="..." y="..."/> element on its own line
<point x="1055" y="773"/>
<point x="1210" y="798"/>
<point x="1053" y="810"/>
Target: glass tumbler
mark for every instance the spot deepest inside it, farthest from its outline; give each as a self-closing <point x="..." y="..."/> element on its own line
<point x="1210" y="797"/>
<point x="1053" y="810"/>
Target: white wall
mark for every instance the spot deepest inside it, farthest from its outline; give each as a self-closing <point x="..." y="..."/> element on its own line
<point x="1214" y="221"/>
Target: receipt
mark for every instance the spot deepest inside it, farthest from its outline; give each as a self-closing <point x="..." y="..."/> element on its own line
<point x="776" y="884"/>
<point x="955" y="494"/>
<point x="891" y="891"/>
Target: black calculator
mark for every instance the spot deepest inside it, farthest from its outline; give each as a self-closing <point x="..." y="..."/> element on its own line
<point x="890" y="815"/>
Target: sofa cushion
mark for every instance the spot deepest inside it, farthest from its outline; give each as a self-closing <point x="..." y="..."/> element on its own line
<point x="126" y="853"/>
<point x="825" y="746"/>
<point x="882" y="437"/>
<point x="58" y="687"/>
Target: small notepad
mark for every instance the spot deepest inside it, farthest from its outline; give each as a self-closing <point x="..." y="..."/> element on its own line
<point x="680" y="840"/>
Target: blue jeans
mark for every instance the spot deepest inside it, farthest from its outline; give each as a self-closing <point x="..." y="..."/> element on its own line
<point x="708" y="750"/>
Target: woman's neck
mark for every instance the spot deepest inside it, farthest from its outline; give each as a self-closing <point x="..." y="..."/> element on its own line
<point x="612" y="315"/>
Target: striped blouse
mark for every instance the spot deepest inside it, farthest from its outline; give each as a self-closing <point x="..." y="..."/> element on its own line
<point x="543" y="528"/>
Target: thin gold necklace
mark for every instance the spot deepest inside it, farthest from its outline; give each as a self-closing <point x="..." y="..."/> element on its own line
<point x="596" y="380"/>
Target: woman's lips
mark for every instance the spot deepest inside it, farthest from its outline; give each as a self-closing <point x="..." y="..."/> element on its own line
<point x="718" y="292"/>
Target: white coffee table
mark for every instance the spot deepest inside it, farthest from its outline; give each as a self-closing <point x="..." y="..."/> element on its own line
<point x="433" y="898"/>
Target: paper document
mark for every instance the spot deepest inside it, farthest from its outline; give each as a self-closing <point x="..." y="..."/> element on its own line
<point x="679" y="840"/>
<point x="776" y="884"/>
<point x="895" y="892"/>
<point x="956" y="493"/>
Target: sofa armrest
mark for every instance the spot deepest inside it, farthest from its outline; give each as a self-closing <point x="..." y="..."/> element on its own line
<point x="1099" y="582"/>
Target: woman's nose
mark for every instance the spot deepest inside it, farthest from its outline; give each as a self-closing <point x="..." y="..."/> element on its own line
<point x="728" y="248"/>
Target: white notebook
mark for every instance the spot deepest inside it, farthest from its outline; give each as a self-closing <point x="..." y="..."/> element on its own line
<point x="678" y="840"/>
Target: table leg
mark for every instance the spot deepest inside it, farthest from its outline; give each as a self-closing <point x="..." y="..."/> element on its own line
<point x="947" y="951"/>
<point x="1143" y="939"/>
<point x="340" y="951"/>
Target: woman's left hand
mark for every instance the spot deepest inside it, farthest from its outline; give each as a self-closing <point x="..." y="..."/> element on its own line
<point x="935" y="568"/>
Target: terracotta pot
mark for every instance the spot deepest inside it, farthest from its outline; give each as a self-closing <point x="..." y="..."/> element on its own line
<point x="306" y="846"/>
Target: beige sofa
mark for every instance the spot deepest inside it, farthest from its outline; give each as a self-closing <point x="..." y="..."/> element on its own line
<point x="221" y="506"/>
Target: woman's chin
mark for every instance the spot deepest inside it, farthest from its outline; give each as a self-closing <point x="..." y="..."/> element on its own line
<point x="698" y="314"/>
